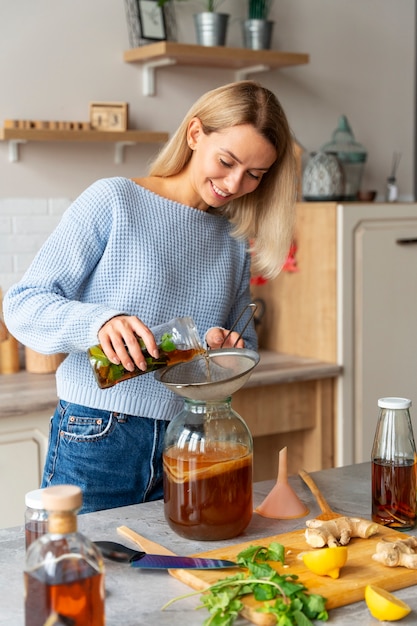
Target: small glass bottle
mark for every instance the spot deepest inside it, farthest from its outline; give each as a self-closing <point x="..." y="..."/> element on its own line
<point x="391" y="194"/>
<point x="177" y="341"/>
<point x="208" y="471"/>
<point x="36" y="518"/>
<point x="394" y="466"/>
<point x="64" y="571"/>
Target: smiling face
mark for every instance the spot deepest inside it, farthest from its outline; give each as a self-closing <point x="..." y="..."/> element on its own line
<point x="226" y="165"/>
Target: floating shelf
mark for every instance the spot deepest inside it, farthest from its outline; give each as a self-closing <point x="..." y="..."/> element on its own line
<point x="121" y="139"/>
<point x="243" y="60"/>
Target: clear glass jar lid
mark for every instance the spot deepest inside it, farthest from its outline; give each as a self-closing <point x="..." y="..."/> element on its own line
<point x="394" y="403"/>
<point x="344" y="145"/>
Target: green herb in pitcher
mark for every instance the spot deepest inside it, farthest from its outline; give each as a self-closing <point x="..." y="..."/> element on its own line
<point x="180" y="345"/>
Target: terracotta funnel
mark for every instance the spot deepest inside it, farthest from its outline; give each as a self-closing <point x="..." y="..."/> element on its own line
<point x="282" y="502"/>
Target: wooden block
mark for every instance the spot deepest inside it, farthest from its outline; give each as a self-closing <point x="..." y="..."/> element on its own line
<point x="109" y="116"/>
<point x="41" y="124"/>
<point x="11" y="123"/>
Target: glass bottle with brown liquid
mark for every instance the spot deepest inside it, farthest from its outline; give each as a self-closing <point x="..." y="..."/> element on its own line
<point x="177" y="340"/>
<point x="64" y="571"/>
<point x="208" y="471"/>
<point x="394" y="466"/>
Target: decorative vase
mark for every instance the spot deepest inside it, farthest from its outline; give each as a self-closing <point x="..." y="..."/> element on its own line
<point x="323" y="178"/>
<point x="257" y="34"/>
<point x="211" y="28"/>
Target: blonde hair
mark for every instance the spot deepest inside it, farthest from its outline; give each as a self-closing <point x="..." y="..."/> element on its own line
<point x="266" y="215"/>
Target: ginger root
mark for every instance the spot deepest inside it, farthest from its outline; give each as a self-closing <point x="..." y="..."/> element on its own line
<point x="399" y="552"/>
<point x="338" y="531"/>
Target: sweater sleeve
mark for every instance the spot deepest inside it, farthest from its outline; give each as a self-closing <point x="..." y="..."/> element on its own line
<point x="45" y="311"/>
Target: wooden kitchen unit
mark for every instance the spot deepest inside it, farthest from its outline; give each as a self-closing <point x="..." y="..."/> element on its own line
<point x="352" y="301"/>
<point x="290" y="401"/>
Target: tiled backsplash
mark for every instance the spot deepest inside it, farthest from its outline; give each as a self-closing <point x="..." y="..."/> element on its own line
<point x="25" y="223"/>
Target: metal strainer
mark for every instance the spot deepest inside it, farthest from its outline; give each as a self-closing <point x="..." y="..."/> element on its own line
<point x="211" y="376"/>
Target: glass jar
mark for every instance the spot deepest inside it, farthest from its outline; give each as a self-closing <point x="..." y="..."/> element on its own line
<point x="394" y="466"/>
<point x="36" y="518"/>
<point x="177" y="340"/>
<point x="208" y="458"/>
<point x="64" y="571"/>
<point x="351" y="154"/>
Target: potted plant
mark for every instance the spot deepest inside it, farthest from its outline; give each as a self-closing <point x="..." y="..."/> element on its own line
<point x="211" y="26"/>
<point x="257" y="29"/>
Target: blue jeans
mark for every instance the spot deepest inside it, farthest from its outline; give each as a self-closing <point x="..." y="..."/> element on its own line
<point x="115" y="458"/>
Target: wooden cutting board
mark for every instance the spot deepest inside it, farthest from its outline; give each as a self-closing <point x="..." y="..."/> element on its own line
<point x="359" y="571"/>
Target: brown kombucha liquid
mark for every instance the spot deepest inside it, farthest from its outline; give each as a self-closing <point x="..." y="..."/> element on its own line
<point x="208" y="496"/>
<point x="77" y="597"/>
<point x="33" y="530"/>
<point x="394" y="493"/>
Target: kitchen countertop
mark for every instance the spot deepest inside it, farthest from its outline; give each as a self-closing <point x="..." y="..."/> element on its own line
<point x="135" y="598"/>
<point x="23" y="392"/>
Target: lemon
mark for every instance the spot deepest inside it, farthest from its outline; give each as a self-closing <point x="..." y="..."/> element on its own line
<point x="326" y="561"/>
<point x="383" y="605"/>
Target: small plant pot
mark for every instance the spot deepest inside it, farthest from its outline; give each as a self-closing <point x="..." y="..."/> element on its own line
<point x="257" y="34"/>
<point x="211" y="28"/>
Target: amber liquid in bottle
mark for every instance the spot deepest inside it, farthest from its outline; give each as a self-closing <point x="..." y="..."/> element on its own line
<point x="64" y="571"/>
<point x="67" y="594"/>
<point x="208" y="496"/>
<point x="394" y="493"/>
<point x="33" y="530"/>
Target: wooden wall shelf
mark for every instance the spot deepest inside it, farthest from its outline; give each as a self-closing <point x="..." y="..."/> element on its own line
<point x="121" y="139"/>
<point x="243" y="60"/>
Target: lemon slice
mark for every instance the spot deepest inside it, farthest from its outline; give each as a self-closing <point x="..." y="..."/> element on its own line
<point x="383" y="605"/>
<point x="326" y="561"/>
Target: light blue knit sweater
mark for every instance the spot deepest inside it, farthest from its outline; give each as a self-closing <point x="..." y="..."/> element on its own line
<point x="120" y="248"/>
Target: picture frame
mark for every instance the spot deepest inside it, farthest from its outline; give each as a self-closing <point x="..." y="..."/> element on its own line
<point x="152" y="20"/>
<point x="109" y="116"/>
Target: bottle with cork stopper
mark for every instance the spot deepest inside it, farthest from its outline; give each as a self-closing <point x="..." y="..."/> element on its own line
<point x="64" y="570"/>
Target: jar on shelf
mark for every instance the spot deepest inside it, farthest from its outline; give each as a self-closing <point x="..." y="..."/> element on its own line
<point x="323" y="178"/>
<point x="208" y="459"/>
<point x="351" y="154"/>
<point x="394" y="466"/>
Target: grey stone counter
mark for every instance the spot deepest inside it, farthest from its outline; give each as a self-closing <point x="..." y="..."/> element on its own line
<point x="135" y="598"/>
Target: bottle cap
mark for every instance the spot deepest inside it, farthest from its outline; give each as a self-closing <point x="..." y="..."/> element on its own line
<point x="33" y="499"/>
<point x="394" y="403"/>
<point x="62" y="498"/>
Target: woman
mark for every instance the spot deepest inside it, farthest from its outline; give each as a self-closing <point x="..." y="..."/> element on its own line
<point x="131" y="254"/>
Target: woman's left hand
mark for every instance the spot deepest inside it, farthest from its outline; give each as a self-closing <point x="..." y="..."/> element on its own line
<point x="216" y="336"/>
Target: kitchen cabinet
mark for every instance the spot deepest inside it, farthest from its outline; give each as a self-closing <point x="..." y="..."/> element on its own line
<point x="352" y="301"/>
<point x="23" y="445"/>
<point x="242" y="60"/>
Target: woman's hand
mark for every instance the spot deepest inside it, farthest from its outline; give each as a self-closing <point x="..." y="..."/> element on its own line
<point x="118" y="339"/>
<point x="216" y="336"/>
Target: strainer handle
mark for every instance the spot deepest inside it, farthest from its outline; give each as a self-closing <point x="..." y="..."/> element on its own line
<point x="253" y="306"/>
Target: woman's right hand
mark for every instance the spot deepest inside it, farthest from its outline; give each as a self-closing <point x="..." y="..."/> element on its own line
<point x="118" y="339"/>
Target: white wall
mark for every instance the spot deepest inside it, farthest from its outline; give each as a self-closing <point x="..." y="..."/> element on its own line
<point x="56" y="57"/>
